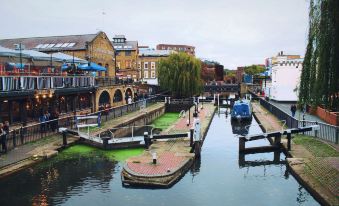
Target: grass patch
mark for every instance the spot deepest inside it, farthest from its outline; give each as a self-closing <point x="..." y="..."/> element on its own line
<point x="316" y="147"/>
<point x="166" y="120"/>
<point x="88" y="151"/>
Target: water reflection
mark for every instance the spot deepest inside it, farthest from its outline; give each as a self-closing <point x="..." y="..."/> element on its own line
<point x="54" y="182"/>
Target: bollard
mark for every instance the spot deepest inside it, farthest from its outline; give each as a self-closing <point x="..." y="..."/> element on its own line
<point x="154" y="157"/>
<point x="191" y="137"/>
<point x="105" y="142"/>
<point x="64" y="139"/>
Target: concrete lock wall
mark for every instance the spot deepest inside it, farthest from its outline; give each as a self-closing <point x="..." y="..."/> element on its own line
<point x="140" y="120"/>
<point x="111" y="91"/>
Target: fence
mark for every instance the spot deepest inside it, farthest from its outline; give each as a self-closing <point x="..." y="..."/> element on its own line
<point x="38" y="131"/>
<point x="326" y="132"/>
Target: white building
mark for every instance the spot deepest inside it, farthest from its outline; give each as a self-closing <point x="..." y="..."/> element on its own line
<point x="148" y="61"/>
<point x="285" y="75"/>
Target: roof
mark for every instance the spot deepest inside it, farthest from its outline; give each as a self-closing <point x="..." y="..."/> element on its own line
<point x="119" y="36"/>
<point x="127" y="45"/>
<point x="176" y="45"/>
<point x="153" y="52"/>
<point x="52" y="43"/>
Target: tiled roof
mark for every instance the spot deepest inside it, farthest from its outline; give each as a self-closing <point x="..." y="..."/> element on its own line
<point x="51" y="43"/>
<point x="128" y="45"/>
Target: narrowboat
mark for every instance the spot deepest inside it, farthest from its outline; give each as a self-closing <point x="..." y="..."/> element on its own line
<point x="242" y="110"/>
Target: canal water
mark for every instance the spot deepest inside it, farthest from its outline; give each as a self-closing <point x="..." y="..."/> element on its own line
<point x="220" y="177"/>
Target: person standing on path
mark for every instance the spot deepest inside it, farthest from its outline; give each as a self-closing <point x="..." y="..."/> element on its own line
<point x="3" y="138"/>
<point x="293" y="109"/>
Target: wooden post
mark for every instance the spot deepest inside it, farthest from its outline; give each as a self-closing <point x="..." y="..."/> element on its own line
<point x="277" y="140"/>
<point x="197" y="148"/>
<point x="64" y="139"/>
<point x="191" y="137"/>
<point x="289" y="137"/>
<point x="241" y="144"/>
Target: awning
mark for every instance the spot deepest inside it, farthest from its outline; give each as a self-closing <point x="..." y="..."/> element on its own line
<point x="68" y="58"/>
<point x="5" y="52"/>
<point x="16" y="65"/>
<point x="91" y="67"/>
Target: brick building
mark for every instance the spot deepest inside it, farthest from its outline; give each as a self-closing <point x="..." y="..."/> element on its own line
<point x="178" y="48"/>
<point x="126" y="54"/>
<point x="92" y="47"/>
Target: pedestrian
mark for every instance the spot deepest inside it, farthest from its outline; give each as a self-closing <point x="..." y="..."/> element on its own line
<point x="293" y="109"/>
<point x="3" y="138"/>
<point x="126" y="98"/>
<point x="42" y="120"/>
<point x="6" y="129"/>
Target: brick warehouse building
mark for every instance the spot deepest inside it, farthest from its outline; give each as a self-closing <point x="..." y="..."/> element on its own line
<point x="92" y="47"/>
<point x="126" y="54"/>
<point x="25" y="96"/>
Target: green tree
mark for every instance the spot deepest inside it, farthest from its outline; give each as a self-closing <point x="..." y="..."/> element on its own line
<point x="319" y="82"/>
<point x="180" y="74"/>
<point x="254" y="69"/>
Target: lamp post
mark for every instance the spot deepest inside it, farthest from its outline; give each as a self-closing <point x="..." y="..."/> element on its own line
<point x="20" y="56"/>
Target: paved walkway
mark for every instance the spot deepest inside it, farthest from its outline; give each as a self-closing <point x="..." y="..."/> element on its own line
<point x="320" y="173"/>
<point x="286" y="107"/>
<point x="53" y="142"/>
<point x="171" y="154"/>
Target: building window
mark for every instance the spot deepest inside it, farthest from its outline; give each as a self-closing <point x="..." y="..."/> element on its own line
<point x="107" y="67"/>
<point x="152" y="65"/>
<point x="128" y="53"/>
<point x="146" y="65"/>
<point x="139" y="65"/>
<point x="152" y="74"/>
<point x="145" y="74"/>
<point x="118" y="64"/>
<point x="128" y="63"/>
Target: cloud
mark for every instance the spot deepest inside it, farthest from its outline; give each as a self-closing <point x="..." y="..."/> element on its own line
<point x="232" y="32"/>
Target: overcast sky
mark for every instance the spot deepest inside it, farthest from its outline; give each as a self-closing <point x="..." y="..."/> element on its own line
<point x="232" y="32"/>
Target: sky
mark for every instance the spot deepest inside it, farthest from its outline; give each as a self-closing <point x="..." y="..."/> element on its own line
<point x="232" y="32"/>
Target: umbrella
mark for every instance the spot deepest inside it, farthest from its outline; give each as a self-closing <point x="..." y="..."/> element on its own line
<point x="16" y="65"/>
<point x="10" y="52"/>
<point x="91" y="66"/>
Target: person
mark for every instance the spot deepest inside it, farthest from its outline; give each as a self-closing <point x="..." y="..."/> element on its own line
<point x="54" y="117"/>
<point x="129" y="100"/>
<point x="42" y="120"/>
<point x="126" y="98"/>
<point x="6" y="130"/>
<point x="293" y="109"/>
<point x="3" y="138"/>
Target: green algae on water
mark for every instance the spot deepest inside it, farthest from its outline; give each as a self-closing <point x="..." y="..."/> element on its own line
<point x="88" y="151"/>
<point x="166" y="120"/>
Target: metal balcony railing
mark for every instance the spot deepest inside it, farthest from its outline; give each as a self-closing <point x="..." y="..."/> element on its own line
<point x="20" y="83"/>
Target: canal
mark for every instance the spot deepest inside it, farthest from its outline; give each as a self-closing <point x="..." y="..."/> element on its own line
<point x="218" y="178"/>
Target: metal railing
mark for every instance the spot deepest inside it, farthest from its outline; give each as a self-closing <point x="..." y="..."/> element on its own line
<point x="31" y="133"/>
<point x="20" y="83"/>
<point x="326" y="132"/>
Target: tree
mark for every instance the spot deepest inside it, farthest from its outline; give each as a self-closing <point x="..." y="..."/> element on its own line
<point x="254" y="69"/>
<point x="180" y="74"/>
<point x="319" y="82"/>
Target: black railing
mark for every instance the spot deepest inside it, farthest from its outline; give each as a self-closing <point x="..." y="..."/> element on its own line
<point x="326" y="132"/>
<point x="31" y="133"/>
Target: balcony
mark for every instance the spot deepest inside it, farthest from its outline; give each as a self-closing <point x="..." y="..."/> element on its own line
<point x="32" y="83"/>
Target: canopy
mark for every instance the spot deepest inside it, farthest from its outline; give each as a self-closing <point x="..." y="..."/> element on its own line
<point x="39" y="55"/>
<point x="16" y="65"/>
<point x="91" y="66"/>
<point x="11" y="52"/>
<point x="68" y="58"/>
